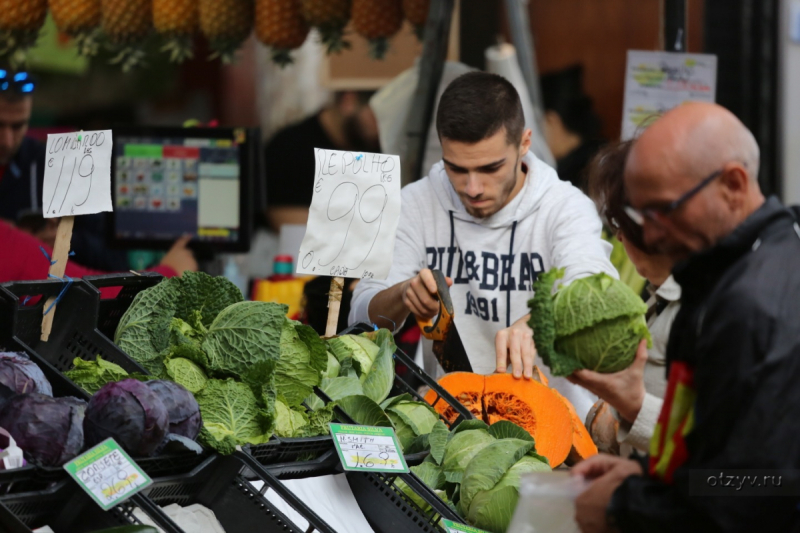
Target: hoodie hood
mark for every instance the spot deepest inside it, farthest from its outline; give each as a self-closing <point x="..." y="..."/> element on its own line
<point x="538" y="180"/>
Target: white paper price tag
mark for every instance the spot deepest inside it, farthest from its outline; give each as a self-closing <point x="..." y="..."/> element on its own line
<point x="370" y="448"/>
<point x="353" y="217"/>
<point x="107" y="474"/>
<point x="77" y="174"/>
<point x="655" y="82"/>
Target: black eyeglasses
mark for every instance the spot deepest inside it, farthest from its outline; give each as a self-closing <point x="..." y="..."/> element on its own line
<point x="18" y="82"/>
<point x="639" y="215"/>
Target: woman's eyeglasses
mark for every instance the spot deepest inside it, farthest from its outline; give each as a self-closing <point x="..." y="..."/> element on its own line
<point x="18" y="82"/>
<point x="651" y="213"/>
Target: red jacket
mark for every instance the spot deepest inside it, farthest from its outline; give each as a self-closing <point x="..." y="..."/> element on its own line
<point x="21" y="259"/>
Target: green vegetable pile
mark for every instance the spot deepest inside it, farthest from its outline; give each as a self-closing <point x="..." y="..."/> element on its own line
<point x="476" y="469"/>
<point x="249" y="367"/>
<point x="595" y="322"/>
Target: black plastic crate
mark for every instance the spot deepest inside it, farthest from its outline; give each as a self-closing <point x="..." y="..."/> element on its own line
<point x="283" y="450"/>
<point x="219" y="485"/>
<point x="111" y="309"/>
<point x="66" y="508"/>
<point x="387" y="508"/>
<point x="75" y="330"/>
<point x="74" y="335"/>
<point x="23" y="479"/>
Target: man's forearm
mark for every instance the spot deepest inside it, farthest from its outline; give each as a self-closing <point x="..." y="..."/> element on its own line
<point x="387" y="309"/>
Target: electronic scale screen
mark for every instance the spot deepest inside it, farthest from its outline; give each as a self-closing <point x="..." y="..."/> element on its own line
<point x="167" y="185"/>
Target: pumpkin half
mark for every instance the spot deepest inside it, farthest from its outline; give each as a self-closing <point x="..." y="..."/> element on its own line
<point x="530" y="403"/>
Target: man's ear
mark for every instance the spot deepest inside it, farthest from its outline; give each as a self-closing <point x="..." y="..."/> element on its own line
<point x="736" y="185"/>
<point x="525" y="143"/>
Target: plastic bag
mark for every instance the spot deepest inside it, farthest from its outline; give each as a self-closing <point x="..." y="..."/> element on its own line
<point x="547" y="503"/>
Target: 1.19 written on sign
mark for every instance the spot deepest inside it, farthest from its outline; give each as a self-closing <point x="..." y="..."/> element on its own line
<point x="353" y="216"/>
<point x="77" y="174"/>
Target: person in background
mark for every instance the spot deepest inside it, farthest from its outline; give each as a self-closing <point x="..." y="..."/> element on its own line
<point x="21" y="158"/>
<point x="572" y="129"/>
<point x="636" y="393"/>
<point x="25" y="260"/>
<point x="347" y="123"/>
<point x="22" y="163"/>
<point x="726" y="456"/>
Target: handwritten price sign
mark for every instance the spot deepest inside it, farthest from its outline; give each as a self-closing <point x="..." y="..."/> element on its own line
<point x="77" y="174"/>
<point x="353" y="217"/>
<point x="368" y="448"/>
<point x="107" y="474"/>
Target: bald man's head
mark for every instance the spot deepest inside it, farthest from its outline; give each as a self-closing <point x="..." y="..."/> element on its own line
<point x="680" y="150"/>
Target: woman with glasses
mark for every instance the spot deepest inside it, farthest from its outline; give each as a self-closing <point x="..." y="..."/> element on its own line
<point x="635" y="393"/>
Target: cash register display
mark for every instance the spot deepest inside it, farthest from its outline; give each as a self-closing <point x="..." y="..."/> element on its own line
<point x="168" y="187"/>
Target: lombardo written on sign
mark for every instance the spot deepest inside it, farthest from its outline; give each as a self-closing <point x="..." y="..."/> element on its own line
<point x="77" y="177"/>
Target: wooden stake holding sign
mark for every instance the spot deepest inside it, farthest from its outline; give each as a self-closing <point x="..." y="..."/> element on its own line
<point x="352" y="221"/>
<point x="334" y="304"/>
<point x="77" y="181"/>
<point x="58" y="266"/>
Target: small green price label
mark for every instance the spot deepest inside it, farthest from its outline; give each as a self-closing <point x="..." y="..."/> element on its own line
<point x="368" y="448"/>
<point x="455" y="527"/>
<point x="107" y="474"/>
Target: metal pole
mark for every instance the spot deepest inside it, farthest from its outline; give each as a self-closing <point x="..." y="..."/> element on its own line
<point x="519" y="24"/>
<point x="675" y="25"/>
<point x="431" y="66"/>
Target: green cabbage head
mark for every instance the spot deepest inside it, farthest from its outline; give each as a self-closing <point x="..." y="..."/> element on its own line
<point x="490" y="487"/>
<point x="595" y="322"/>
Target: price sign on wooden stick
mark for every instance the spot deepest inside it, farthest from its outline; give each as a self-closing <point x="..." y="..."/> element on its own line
<point x="77" y="181"/>
<point x="352" y="221"/>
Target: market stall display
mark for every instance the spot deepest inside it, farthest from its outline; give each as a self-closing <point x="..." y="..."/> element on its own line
<point x="300" y="383"/>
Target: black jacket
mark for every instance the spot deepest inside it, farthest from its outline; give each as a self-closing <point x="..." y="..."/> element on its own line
<point x="21" y="186"/>
<point x="739" y="331"/>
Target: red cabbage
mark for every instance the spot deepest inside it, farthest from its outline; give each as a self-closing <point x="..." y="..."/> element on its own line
<point x="49" y="430"/>
<point x="129" y="412"/>
<point x="184" y="413"/>
<point x="22" y="375"/>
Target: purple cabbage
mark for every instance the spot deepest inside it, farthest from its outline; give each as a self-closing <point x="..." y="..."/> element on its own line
<point x="182" y="408"/>
<point x="129" y="412"/>
<point x="22" y="375"/>
<point x="49" y="430"/>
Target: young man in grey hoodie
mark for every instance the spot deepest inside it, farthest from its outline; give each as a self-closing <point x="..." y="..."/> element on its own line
<point x="491" y="217"/>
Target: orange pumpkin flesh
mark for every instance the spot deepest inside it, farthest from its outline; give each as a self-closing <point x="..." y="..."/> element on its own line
<point x="534" y="407"/>
<point x="582" y="445"/>
<point x="469" y="391"/>
<point x="529" y="403"/>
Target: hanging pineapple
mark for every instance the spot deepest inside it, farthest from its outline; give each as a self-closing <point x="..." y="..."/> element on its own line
<point x="126" y="24"/>
<point x="226" y="24"/>
<point x="20" y="22"/>
<point x="377" y="21"/>
<point x="79" y="19"/>
<point x="280" y="25"/>
<point x="330" y="18"/>
<point x="177" y="21"/>
<point x="416" y="12"/>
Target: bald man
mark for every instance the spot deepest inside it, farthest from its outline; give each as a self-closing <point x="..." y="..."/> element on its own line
<point x="732" y="406"/>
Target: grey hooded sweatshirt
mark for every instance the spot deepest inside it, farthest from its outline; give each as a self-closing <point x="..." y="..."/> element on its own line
<point x="494" y="260"/>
